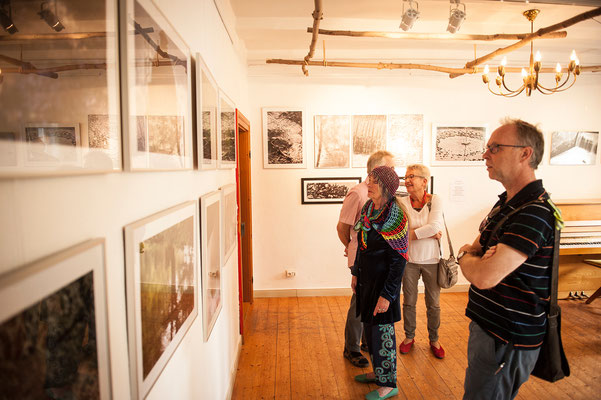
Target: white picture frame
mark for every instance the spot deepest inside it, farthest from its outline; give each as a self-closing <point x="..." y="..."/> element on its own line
<point x="227" y="141"/>
<point x="158" y="92"/>
<point x="212" y="285"/>
<point x="63" y="298"/>
<point x="284" y="137"/>
<point x="207" y="101"/>
<point x="405" y="138"/>
<point x="368" y="135"/>
<point x="574" y="147"/>
<point x="229" y="217"/>
<point x="52" y="144"/>
<point x="332" y="135"/>
<point x="161" y="254"/>
<point x="458" y="144"/>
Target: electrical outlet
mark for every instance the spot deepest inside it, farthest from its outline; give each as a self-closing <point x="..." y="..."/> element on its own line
<point x="290" y="273"/>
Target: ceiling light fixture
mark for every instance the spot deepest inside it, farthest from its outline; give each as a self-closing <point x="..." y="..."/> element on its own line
<point x="456" y="16"/>
<point x="530" y="77"/>
<point x="6" y="20"/>
<point x="50" y="17"/>
<point x="410" y="15"/>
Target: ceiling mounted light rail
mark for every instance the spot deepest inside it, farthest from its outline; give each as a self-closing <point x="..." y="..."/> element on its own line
<point x="530" y="77"/>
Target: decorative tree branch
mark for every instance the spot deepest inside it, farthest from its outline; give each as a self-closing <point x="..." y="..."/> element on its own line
<point x="437" y="36"/>
<point x="317" y="16"/>
<point x="543" y="31"/>
<point x="53" y="36"/>
<point x="143" y="31"/>
<point x="27" y="67"/>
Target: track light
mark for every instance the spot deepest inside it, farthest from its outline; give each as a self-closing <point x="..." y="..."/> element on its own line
<point x="410" y="15"/>
<point x="7" y="21"/>
<point x="51" y="19"/>
<point x="456" y="16"/>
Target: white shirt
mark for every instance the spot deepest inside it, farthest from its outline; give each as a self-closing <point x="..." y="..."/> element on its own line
<point x="424" y="250"/>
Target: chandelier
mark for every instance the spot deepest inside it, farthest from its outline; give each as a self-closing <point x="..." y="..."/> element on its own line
<point x="530" y="77"/>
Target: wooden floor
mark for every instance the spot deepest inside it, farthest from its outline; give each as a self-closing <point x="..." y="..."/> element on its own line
<point x="293" y="350"/>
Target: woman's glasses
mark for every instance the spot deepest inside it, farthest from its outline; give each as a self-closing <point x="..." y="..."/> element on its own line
<point x="408" y="177"/>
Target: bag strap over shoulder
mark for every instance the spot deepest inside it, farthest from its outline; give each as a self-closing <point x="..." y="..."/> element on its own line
<point x="506" y="217"/>
<point x="446" y="229"/>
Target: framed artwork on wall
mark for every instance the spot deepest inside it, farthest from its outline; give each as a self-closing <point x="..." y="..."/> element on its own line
<point x="227" y="132"/>
<point x="283" y="138"/>
<point x="230" y="221"/>
<point x="157" y="84"/>
<point x="368" y="135"/>
<point x="405" y="138"/>
<point x="326" y="190"/>
<point x="161" y="253"/>
<point x="332" y="141"/>
<point x="59" y="86"/>
<point x="52" y="144"/>
<point x="458" y="144"/>
<point x="210" y="235"/>
<point x="53" y="324"/>
<point x="206" y="115"/>
<point x="574" y="148"/>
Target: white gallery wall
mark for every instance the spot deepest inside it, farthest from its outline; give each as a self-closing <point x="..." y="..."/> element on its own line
<point x="41" y="216"/>
<point x="291" y="236"/>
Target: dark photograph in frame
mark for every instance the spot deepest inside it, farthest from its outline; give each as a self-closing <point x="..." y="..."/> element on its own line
<point x="283" y="138"/>
<point x="326" y="190"/>
<point x="227" y="132"/>
<point x="68" y="75"/>
<point x="161" y="289"/>
<point x="207" y="99"/>
<point x="157" y="86"/>
<point x="574" y="148"/>
<point x="53" y="326"/>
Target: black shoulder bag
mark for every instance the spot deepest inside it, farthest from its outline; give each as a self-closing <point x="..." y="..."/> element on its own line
<point x="552" y="364"/>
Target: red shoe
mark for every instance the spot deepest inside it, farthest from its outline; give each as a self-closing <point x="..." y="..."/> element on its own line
<point x="438" y="352"/>
<point x="404" y="348"/>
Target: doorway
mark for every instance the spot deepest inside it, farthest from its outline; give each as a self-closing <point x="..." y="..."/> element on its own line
<point x="243" y="177"/>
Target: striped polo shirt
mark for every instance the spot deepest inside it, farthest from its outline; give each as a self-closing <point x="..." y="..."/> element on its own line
<point x="515" y="309"/>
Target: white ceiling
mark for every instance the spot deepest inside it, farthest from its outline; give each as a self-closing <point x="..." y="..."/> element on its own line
<point x="278" y="29"/>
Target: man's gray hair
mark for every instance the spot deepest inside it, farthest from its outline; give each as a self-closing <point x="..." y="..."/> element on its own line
<point x="377" y="159"/>
<point x="528" y="135"/>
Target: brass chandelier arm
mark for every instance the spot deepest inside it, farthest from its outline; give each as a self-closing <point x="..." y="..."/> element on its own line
<point x="435" y="36"/>
<point x="543" y="31"/>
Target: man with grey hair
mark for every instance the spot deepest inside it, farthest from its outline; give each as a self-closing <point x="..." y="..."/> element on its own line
<point x="349" y="214"/>
<point x="509" y="269"/>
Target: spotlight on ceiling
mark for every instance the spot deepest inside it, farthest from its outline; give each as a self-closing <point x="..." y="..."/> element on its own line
<point x="410" y="15"/>
<point x="6" y="20"/>
<point x="51" y="19"/>
<point x="456" y="16"/>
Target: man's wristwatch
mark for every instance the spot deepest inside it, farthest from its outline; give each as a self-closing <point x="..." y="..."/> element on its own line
<point x="461" y="254"/>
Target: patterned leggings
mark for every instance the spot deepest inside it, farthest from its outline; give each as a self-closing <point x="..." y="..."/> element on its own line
<point x="381" y="341"/>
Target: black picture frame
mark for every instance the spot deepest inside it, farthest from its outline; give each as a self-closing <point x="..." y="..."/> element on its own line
<point x="326" y="190"/>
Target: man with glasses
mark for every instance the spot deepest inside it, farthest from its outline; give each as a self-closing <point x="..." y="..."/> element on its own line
<point x="349" y="214"/>
<point x="510" y="271"/>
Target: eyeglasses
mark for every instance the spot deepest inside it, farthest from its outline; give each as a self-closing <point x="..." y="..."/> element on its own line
<point x="408" y="177"/>
<point x="494" y="148"/>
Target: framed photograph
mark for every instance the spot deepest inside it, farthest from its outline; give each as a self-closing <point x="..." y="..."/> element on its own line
<point x="53" y="325"/>
<point x="158" y="91"/>
<point x="369" y="136"/>
<point x="161" y="253"/>
<point x="405" y="138"/>
<point x="458" y="144"/>
<point x="326" y="190"/>
<point x="332" y="141"/>
<point x="227" y="132"/>
<point x="574" y="148"/>
<point x="229" y="208"/>
<point x="52" y="144"/>
<point x="283" y="138"/>
<point x="210" y="235"/>
<point x="207" y="98"/>
<point x="69" y="77"/>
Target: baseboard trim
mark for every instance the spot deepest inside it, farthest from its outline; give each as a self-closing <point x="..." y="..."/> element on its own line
<point x="234" y="371"/>
<point x="333" y="292"/>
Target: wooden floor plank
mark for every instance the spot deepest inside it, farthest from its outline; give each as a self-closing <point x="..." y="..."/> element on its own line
<point x="293" y="350"/>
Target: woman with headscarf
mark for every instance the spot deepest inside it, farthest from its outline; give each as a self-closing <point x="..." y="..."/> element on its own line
<point x="377" y="274"/>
